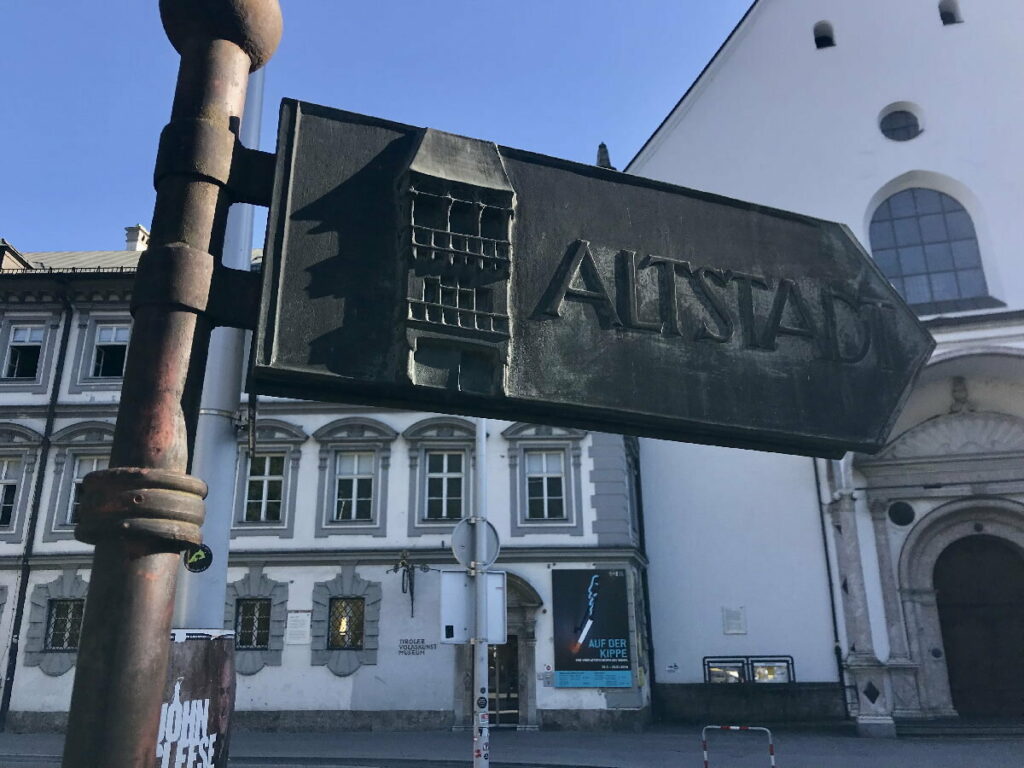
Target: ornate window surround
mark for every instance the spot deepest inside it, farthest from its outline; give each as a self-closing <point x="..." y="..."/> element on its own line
<point x="272" y="436"/>
<point x="346" y="584"/>
<point x="447" y="433"/>
<point x="21" y="443"/>
<point x="86" y="439"/>
<point x="249" y="661"/>
<point x="51" y="322"/>
<point x="68" y="586"/>
<point x="525" y="437"/>
<point x="82" y="379"/>
<point x="354" y="433"/>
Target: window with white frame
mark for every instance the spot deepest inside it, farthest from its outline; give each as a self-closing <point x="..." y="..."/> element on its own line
<point x="79" y="449"/>
<point x="266" y="481"/>
<point x="64" y="624"/>
<point x="445" y="485"/>
<point x="83" y="466"/>
<point x="20" y="451"/>
<point x="24" y="350"/>
<point x="264" y="488"/>
<point x="10" y="474"/>
<point x="545" y="484"/>
<point x="441" y="451"/>
<point x="352" y="487"/>
<point x="545" y="479"/>
<point x="109" y="350"/>
<point x="354" y="473"/>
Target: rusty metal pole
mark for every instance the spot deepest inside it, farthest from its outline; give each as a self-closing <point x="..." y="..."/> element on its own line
<point x="146" y="508"/>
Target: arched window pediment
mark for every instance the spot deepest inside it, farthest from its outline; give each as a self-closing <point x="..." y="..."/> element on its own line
<point x="523" y="431"/>
<point x="355" y="428"/>
<point x="276" y="431"/>
<point x="17" y="436"/>
<point x="85" y="433"/>
<point x="441" y="428"/>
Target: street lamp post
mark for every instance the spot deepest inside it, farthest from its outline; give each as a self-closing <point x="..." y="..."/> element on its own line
<point x="146" y="508"/>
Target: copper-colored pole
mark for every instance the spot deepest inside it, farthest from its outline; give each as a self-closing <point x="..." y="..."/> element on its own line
<point x="145" y="509"/>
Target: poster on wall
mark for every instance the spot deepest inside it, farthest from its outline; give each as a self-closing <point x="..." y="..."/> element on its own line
<point x="591" y="619"/>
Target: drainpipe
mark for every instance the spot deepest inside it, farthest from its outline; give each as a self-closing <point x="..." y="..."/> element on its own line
<point x="639" y="496"/>
<point x="831" y="593"/>
<point x="33" y="517"/>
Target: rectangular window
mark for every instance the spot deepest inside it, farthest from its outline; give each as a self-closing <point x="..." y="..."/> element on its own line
<point x="726" y="672"/>
<point x="24" y="351"/>
<point x="445" y="482"/>
<point x="545" y="485"/>
<point x="776" y="671"/>
<point x="264" y="488"/>
<point x="10" y="473"/>
<point x="83" y="466"/>
<point x="252" y="623"/>
<point x="110" y="350"/>
<point x="64" y="624"/>
<point x="353" y="499"/>
<point x="345" y="624"/>
<point x="749" y="669"/>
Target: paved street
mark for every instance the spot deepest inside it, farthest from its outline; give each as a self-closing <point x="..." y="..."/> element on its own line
<point x="663" y="747"/>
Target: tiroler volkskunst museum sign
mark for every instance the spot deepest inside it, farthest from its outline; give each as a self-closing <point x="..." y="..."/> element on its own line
<point x="414" y="268"/>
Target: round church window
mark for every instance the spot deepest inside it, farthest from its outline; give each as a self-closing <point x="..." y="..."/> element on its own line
<point x="900" y="125"/>
<point x="901" y="513"/>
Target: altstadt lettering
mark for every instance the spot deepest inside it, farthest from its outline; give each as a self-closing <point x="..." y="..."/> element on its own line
<point x="709" y="304"/>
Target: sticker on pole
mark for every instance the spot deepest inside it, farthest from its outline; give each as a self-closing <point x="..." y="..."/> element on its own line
<point x="198" y="559"/>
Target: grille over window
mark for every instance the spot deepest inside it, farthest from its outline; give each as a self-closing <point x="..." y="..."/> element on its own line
<point x="345" y="624"/>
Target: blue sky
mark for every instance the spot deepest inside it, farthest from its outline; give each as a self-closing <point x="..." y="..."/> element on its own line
<point x="87" y="86"/>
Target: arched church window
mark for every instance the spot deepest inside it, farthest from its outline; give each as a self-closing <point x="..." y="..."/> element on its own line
<point x="924" y="242"/>
<point x="949" y="12"/>
<point x="824" y="37"/>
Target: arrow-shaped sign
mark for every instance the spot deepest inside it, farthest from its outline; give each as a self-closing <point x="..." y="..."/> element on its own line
<point x="413" y="268"/>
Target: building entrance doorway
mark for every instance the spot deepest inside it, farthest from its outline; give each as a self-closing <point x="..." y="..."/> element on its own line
<point x="979" y="582"/>
<point x="503" y="682"/>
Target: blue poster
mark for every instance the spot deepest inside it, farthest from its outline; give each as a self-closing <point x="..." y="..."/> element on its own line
<point x="591" y="629"/>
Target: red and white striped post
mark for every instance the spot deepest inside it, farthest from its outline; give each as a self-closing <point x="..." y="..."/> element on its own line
<point x="706" y="728"/>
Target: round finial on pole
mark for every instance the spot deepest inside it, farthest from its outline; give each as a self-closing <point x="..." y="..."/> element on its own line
<point x="253" y="25"/>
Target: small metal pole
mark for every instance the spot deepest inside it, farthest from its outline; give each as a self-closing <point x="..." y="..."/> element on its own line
<point x="199" y="603"/>
<point x="481" y="718"/>
<point x="145" y="509"/>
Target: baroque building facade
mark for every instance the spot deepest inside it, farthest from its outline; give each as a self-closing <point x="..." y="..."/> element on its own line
<point x="889" y="586"/>
<point x="341" y="522"/>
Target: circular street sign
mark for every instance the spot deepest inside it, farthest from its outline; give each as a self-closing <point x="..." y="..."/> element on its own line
<point x="481" y="702"/>
<point x="198" y="559"/>
<point x="462" y="544"/>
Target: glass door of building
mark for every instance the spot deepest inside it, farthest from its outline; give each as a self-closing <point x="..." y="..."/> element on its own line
<point x="503" y="682"/>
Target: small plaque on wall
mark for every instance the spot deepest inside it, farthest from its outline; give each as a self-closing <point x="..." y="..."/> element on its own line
<point x="297" y="631"/>
<point x="734" y="621"/>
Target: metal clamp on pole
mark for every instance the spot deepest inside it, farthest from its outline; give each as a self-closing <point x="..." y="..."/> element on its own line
<point x="135" y="501"/>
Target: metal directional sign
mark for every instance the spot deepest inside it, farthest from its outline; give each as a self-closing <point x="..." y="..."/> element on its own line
<point x="414" y="268"/>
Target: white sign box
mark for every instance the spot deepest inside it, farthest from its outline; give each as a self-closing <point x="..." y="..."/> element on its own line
<point x="458" y="607"/>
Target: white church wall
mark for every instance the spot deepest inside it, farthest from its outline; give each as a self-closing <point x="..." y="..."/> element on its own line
<point x="731" y="529"/>
<point x="782" y="123"/>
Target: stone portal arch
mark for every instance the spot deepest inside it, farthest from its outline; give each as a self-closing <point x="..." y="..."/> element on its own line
<point x="523" y="603"/>
<point x="1000" y="518"/>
